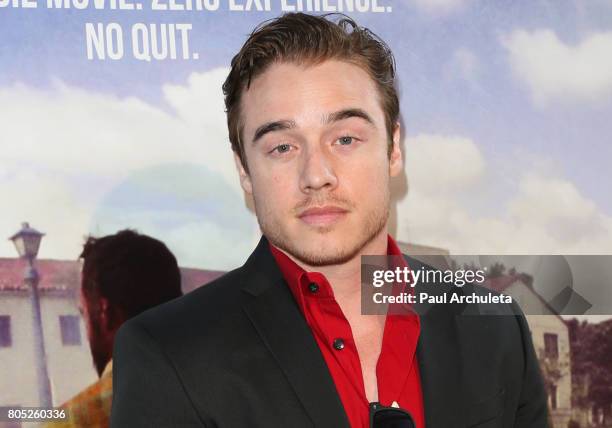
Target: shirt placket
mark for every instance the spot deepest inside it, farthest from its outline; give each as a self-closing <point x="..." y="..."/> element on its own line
<point x="336" y="334"/>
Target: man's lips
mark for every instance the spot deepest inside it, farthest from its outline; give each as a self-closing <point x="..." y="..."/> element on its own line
<point x="322" y="216"/>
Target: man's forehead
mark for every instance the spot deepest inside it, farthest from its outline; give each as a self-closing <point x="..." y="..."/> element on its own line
<point x="289" y="91"/>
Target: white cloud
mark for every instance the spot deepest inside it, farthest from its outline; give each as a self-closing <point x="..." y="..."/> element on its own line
<point x="545" y="214"/>
<point x="73" y="130"/>
<point x="76" y="131"/>
<point x="49" y="205"/>
<point x="65" y="150"/>
<point x="563" y="201"/>
<point x="554" y="70"/>
<point x="462" y="163"/>
<point x="554" y="205"/>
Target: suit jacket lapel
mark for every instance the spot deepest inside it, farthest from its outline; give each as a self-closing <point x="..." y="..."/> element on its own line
<point x="438" y="356"/>
<point x="284" y="331"/>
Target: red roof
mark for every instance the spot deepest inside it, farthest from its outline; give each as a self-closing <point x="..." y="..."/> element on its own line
<point x="194" y="278"/>
<point x="65" y="275"/>
<point x="54" y="274"/>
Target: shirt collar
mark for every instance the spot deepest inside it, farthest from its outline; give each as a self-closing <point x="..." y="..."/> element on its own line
<point x="298" y="279"/>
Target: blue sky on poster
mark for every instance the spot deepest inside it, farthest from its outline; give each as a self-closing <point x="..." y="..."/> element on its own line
<point x="505" y="109"/>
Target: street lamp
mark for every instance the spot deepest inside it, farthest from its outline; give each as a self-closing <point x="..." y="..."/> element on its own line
<point x="27" y="242"/>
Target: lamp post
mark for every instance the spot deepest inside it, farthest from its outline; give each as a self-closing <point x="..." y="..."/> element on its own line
<point x="27" y="242"/>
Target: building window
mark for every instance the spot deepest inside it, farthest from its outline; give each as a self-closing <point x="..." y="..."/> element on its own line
<point x="552" y="396"/>
<point x="6" y="340"/>
<point x="551" y="345"/>
<point x="71" y="330"/>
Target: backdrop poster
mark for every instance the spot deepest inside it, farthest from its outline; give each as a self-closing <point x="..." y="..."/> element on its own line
<point x="112" y="117"/>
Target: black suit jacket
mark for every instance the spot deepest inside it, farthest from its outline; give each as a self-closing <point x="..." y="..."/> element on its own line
<point x="238" y="353"/>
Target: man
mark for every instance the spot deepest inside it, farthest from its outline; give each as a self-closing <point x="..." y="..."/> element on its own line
<point x="281" y="342"/>
<point x="123" y="275"/>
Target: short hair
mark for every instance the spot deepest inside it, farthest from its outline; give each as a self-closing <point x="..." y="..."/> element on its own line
<point x="134" y="272"/>
<point x="306" y="39"/>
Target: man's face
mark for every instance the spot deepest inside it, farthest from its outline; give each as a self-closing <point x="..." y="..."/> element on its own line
<point x="317" y="151"/>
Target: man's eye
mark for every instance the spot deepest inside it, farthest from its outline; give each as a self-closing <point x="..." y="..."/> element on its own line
<point x="282" y="148"/>
<point x="345" y="141"/>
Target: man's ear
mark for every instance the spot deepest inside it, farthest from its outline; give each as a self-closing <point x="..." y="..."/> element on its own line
<point x="396" y="163"/>
<point x="245" y="179"/>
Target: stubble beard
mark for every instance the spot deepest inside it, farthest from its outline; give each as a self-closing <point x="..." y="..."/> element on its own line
<point x="375" y="221"/>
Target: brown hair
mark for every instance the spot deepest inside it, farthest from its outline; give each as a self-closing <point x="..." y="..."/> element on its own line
<point x="134" y="272"/>
<point x="308" y="39"/>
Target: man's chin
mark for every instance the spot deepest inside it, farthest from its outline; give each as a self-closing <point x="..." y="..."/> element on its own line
<point x="323" y="245"/>
<point x="317" y="259"/>
<point x="324" y="253"/>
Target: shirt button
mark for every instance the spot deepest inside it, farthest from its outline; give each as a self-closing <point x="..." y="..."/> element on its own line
<point x="313" y="287"/>
<point x="338" y="344"/>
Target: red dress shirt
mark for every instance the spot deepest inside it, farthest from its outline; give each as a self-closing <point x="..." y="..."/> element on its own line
<point x="397" y="371"/>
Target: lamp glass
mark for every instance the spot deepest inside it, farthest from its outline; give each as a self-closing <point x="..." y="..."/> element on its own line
<point x="31" y="243"/>
<point x="20" y="245"/>
<point x="27" y="241"/>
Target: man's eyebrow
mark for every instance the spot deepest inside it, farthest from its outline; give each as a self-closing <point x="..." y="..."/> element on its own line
<point x="348" y="113"/>
<point x="281" y="125"/>
<point x="278" y="125"/>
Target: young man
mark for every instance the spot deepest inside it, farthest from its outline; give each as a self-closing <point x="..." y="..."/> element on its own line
<point x="281" y="342"/>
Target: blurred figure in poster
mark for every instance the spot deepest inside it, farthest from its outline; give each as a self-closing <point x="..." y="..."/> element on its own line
<point x="123" y="275"/>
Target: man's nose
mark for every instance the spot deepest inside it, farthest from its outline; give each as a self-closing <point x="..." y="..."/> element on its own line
<point x="317" y="170"/>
